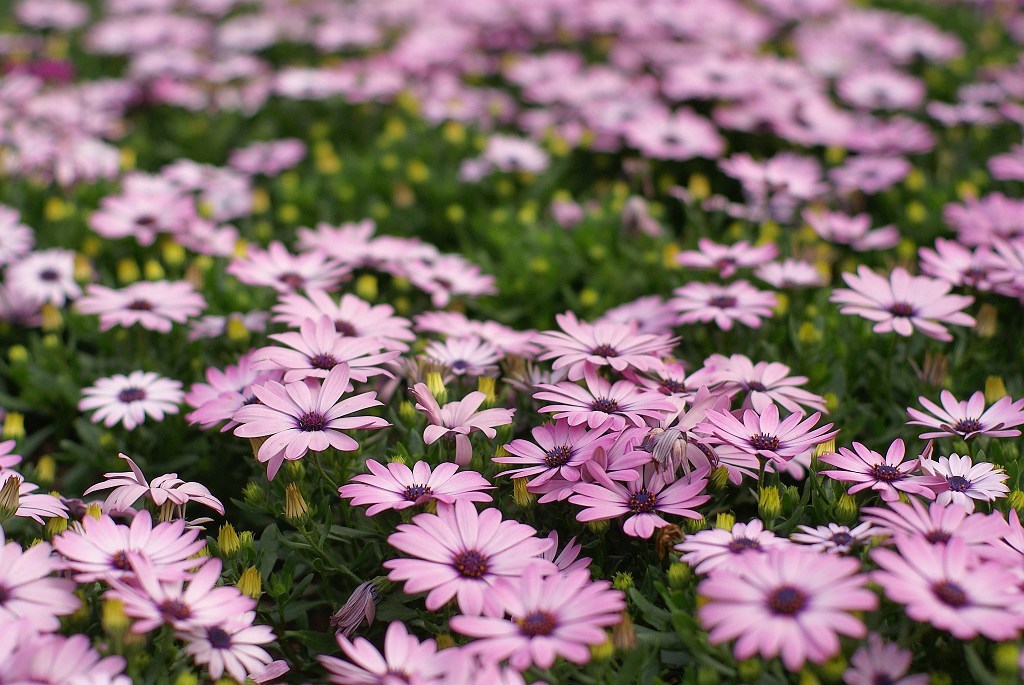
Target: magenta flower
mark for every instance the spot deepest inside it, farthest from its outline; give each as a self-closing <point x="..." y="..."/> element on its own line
<point x="887" y="475"/>
<point x="788" y="601"/>
<point x="460" y="553"/>
<point x="764" y="435"/>
<point x="225" y="392"/>
<point x="99" y="548"/>
<point x="881" y="662"/>
<point x="352" y="317"/>
<point x="943" y="586"/>
<point x="153" y="305"/>
<point x="727" y="258"/>
<point x="955" y="479"/>
<point x="317" y="348"/>
<point x="129" y="399"/>
<point x="189" y="602"/>
<point x="970" y="418"/>
<point x="558" y="448"/>
<point x="168" y="489"/>
<point x="763" y="383"/>
<point x="724" y="304"/>
<point x="601" y="403"/>
<point x="405" y="660"/>
<point x="833" y="537"/>
<point x="602" y="344"/>
<point x="568" y="558"/>
<point x="277" y="268"/>
<point x="642" y="501"/>
<point x="396" y="486"/>
<point x="232" y="645"/>
<point x="465" y="356"/>
<point x="716" y="548"/>
<point x="549" y="615"/>
<point x="903" y="302"/>
<point x="936" y="523"/>
<point x="30" y="594"/>
<point x="456" y="420"/>
<point x="305" y="415"/>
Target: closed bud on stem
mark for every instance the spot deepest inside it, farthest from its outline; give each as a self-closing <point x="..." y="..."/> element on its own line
<point x="9" y="496"/>
<point x="940" y="679"/>
<point x="995" y="389"/>
<point x="807" y="677"/>
<point x="187" y="678"/>
<point x="520" y="494"/>
<point x="256" y="444"/>
<point x="678" y="575"/>
<point x="666" y="538"/>
<point x="52" y="319"/>
<point x="407" y="412"/>
<point x="17" y="354"/>
<point x="1016" y="500"/>
<point x="250" y="583"/>
<point x="128" y="271"/>
<point x="14" y="426"/>
<point x="598" y="526"/>
<point x="295" y="509"/>
<point x="769" y="503"/>
<point x="988" y="321"/>
<point x="603" y="651"/>
<point x="486" y="385"/>
<point x="55" y="526"/>
<point x="624" y="634"/>
<point x="833" y="669"/>
<point x="725" y="521"/>
<point x="237" y="331"/>
<point x="622" y="580"/>
<point x="246" y="540"/>
<point x="719" y="479"/>
<point x="436" y="386"/>
<point x="95" y="509"/>
<point x="227" y="541"/>
<point x="253" y="494"/>
<point x="845" y="508"/>
<point x="46" y="469"/>
<point x="444" y="641"/>
<point x="361" y="607"/>
<point x="113" y="619"/>
<point x="696" y="525"/>
<point x="294" y="470"/>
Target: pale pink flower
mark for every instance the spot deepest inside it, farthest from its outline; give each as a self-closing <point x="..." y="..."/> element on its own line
<point x="353" y="317"/>
<point x="889" y="475"/>
<point x="602" y="403"/>
<point x="29" y="593"/>
<point x="727" y="258"/>
<point x="16" y="239"/>
<point x="456" y="420"/>
<point x="648" y="314"/>
<point x="129" y="399"/>
<point x="29" y="658"/>
<point x="950" y="261"/>
<point x="881" y="662"/>
<point x="268" y="158"/>
<point x="834" y="537"/>
<point x="154" y="305"/>
<point x="969" y="419"/>
<point x="455" y="324"/>
<point x="765" y="435"/>
<point x="763" y="383"/>
<point x="724" y="304"/>
<point x="568" y="558"/>
<point x="233" y="645"/>
<point x="936" y="523"/>
<point x="277" y="268"/>
<point x="405" y="660"/>
<point x="954" y="479"/>
<point x="396" y="486"/>
<point x="45" y="276"/>
<point x="854" y="231"/>
<point x="717" y="548"/>
<point x="225" y="392"/>
<point x="129" y="486"/>
<point x="447" y="276"/>
<point x="465" y="355"/>
<point x="790" y="273"/>
<point x="557" y="448"/>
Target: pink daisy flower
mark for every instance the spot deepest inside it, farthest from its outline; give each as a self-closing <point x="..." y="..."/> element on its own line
<point x="317" y="348"/>
<point x="854" y="231"/>
<point x="790" y="601"/>
<point x="153" y="305"/>
<point x="604" y="344"/>
<point x="29" y="593"/>
<point x="56" y="659"/>
<point x="727" y="258"/>
<point x="643" y="500"/>
<point x="268" y="158"/>
<point x="396" y="486"/>
<point x="16" y="239"/>
<point x="549" y="615"/>
<point x="568" y="558"/>
<point x="352" y="317"/>
<point x="455" y="324"/>
<point x="833" y="537"/>
<point x="45" y="276"/>
<point x="903" y="302"/>
<point x="460" y="553"/>
<point x="681" y="135"/>
<point x="232" y="646"/>
<point x="764" y="435"/>
<point x="723" y="304"/>
<point x="405" y="660"/>
<point x="187" y="603"/>
<point x="448" y="276"/>
<point x="955" y="479"/>
<point x="277" y="268"/>
<point x="602" y="403"/>
<point x="961" y="266"/>
<point x="557" y="449"/>
<point x="881" y="662"/>
<point x="763" y="383"/>
<point x="465" y="356"/>
<point x="129" y="399"/>
<point x="225" y="392"/>
<point x="969" y="419"/>
<point x="29" y="503"/>
<point x="211" y="326"/>
<point x="128" y="486"/>
<point x="942" y="585"/>
<point x="790" y="273"/>
<point x="456" y="420"/>
<point x="648" y="314"/>
<point x="889" y="475"/>
<point x="936" y="523"/>
<point x="305" y="415"/>
<point x="716" y="548"/>
<point x="99" y="548"/>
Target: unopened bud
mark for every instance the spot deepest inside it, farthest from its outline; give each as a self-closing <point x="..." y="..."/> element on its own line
<point x="725" y="521"/>
<point x="622" y="580"/>
<point x="250" y="583"/>
<point x="678" y="575"/>
<point x="1016" y="500"/>
<point x="361" y="607"/>
<point x="246" y="540"/>
<point x="17" y="354"/>
<point x="236" y="329"/>
<point x="295" y="509"/>
<point x="435" y="384"/>
<point x="366" y="287"/>
<point x="719" y="479"/>
<point x="113" y="619"/>
<point x="253" y="493"/>
<point x="186" y="678"/>
<point x="10" y="494"/>
<point x="14" y="426"/>
<point x="995" y="389"/>
<point x="46" y="469"/>
<point x="227" y="541"/>
<point x="624" y="634"/>
<point x="444" y="641"/>
<point x="55" y="526"/>
<point x="987" y="321"/>
<point x="696" y="525"/>
<point x="520" y="494"/>
<point x="666" y="539"/>
<point x="845" y="509"/>
<point x="748" y="671"/>
<point x="603" y="651"/>
<point x="52" y="319"/>
<point x="94" y="509"/>
<point x="599" y="526"/>
<point x="128" y="271"/>
<point x="807" y="677"/>
<point x="769" y="503"/>
<point x="708" y="676"/>
<point x="833" y="669"/>
<point x="1005" y="658"/>
<point x="407" y="412"/>
<point x="486" y="385"/>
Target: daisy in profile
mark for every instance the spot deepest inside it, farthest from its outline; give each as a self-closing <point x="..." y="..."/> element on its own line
<point x="834" y="537"/>
<point x="903" y="303"/>
<point x="352" y="317"/>
<point x="153" y="305"/>
<point x="232" y="646"/>
<point x="167" y="491"/>
<point x="397" y="487"/>
<point x="956" y="479"/>
<point x="888" y="475"/>
<point x="45" y="276"/>
<point x="717" y="548"/>
<point x="788" y="602"/>
<point x="968" y="419"/>
<point x="460" y="552"/>
<point x="619" y="346"/>
<point x="405" y="660"/>
<point x="881" y="662"/>
<point x="548" y="615"/>
<point x="130" y="399"/>
<point x="602" y="403"/>
<point x="737" y="302"/>
<point x="727" y="258"/>
<point x="465" y="356"/>
<point x="285" y="272"/>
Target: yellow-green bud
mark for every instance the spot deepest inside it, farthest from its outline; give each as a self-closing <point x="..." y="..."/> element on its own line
<point x="808" y="334"/>
<point x="55" y="526"/>
<point x="9" y="497"/>
<point x="444" y="641"/>
<point x="833" y="669"/>
<point x="603" y="651"/>
<point x="294" y="470"/>
<point x="485" y="384"/>
<point x="186" y="678"/>
<point x="1005" y="658"/>
<point x="807" y="677"/>
<point x="622" y="580"/>
<point x="599" y="526"/>
<point x="366" y="287"/>
<point x="46" y="469"/>
<point x="769" y="504"/>
<point x="748" y="671"/>
<point x="14" y="426"/>
<point x="520" y="494"/>
<point x="845" y="508"/>
<point x="696" y="525"/>
<point x="995" y="389"/>
<point x="128" y="271"/>
<point x="246" y="540"/>
<point x="95" y="510"/>
<point x="699" y="186"/>
<point x="987" y="321"/>
<point x="678" y="575"/>
<point x="113" y="619"/>
<point x="295" y="509"/>
<point x="153" y="270"/>
<point x="227" y="541"/>
<point x="407" y="412"/>
<point x="17" y="354"/>
<point x="253" y="494"/>
<point x="435" y="384"/>
<point x="1016" y="500"/>
<point x="940" y="679"/>
<point x="708" y="676"/>
<point x="719" y="478"/>
<point x="236" y="330"/>
<point x="725" y="521"/>
<point x="250" y="583"/>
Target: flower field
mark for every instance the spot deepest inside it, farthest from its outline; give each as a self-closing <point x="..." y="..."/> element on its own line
<point x="597" y="342"/>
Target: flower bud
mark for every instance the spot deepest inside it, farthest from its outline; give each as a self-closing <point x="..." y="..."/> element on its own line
<point x="1006" y="658"/>
<point x="807" y="677"/>
<point x="622" y="580"/>
<point x="46" y="469"/>
<point x="227" y="541"/>
<point x="55" y="526"/>
<point x="603" y="651"/>
<point x="708" y="676"/>
<point x="250" y="583"/>
<point x="748" y="671"/>
<point x="833" y="669"/>
<point x="624" y="634"/>
<point x="253" y="493"/>
<point x="699" y="186"/>
<point x="14" y="426"/>
<point x="246" y="540"/>
<point x="719" y="479"/>
<point x="9" y="497"/>
<point x="599" y="526"/>
<point x="360" y="607"/>
<point x="696" y="525"/>
<point x="407" y="412"/>
<point x="113" y="619"/>
<point x="366" y="287"/>
<point x="17" y="354"/>
<point x="725" y="521"/>
<point x="94" y="509"/>
<point x="679" y="575"/>
<point x="486" y="385"/>
<point x="128" y="271"/>
<point x="769" y="504"/>
<point x="995" y="389"/>
<point x="186" y="678"/>
<point x="236" y="330"/>
<point x="444" y="641"/>
<point x="435" y="384"/>
<point x="520" y="494"/>
<point x="845" y="509"/>
<point x="940" y="679"/>
<point x="666" y="538"/>
<point x="295" y="509"/>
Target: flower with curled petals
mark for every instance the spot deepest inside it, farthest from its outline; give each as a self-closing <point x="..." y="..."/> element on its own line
<point x="128" y="486"/>
<point x="456" y="420"/>
<point x="397" y="487"/>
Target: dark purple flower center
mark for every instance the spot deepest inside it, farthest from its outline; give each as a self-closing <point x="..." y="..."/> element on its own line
<point x="755" y="386"/>
<point x="344" y="329"/>
<point x="882" y="679"/>
<point x="470" y="564"/>
<point x="842" y="539"/>
<point x="5" y="595"/>
<point x="414" y="492"/>
<point x="608" y="406"/>
<point x="131" y="394"/>
<point x="120" y="561"/>
<point x="934" y="536"/>
<point x="706" y="451"/>
<point x="965" y="426"/>
<point x="604" y="351"/>
<point x="175" y="610"/>
<point x="537" y="624"/>
<point x="901" y="309"/>
<point x="672" y="387"/>
<point x="741" y="545"/>
<point x="558" y="456"/>
<point x="722" y="301"/>
<point x="49" y="275"/>
<point x="140" y="305"/>
<point x="958" y="483"/>
<point x="642" y="501"/>
<point x="763" y="441"/>
<point x="291" y="279"/>
<point x="885" y="473"/>
<point x="218" y="638"/>
<point x="950" y="593"/>
<point x="146" y="220"/>
<point x="459" y="365"/>
<point x="787" y="601"/>
<point x="323" y="361"/>
<point x="312" y="421"/>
